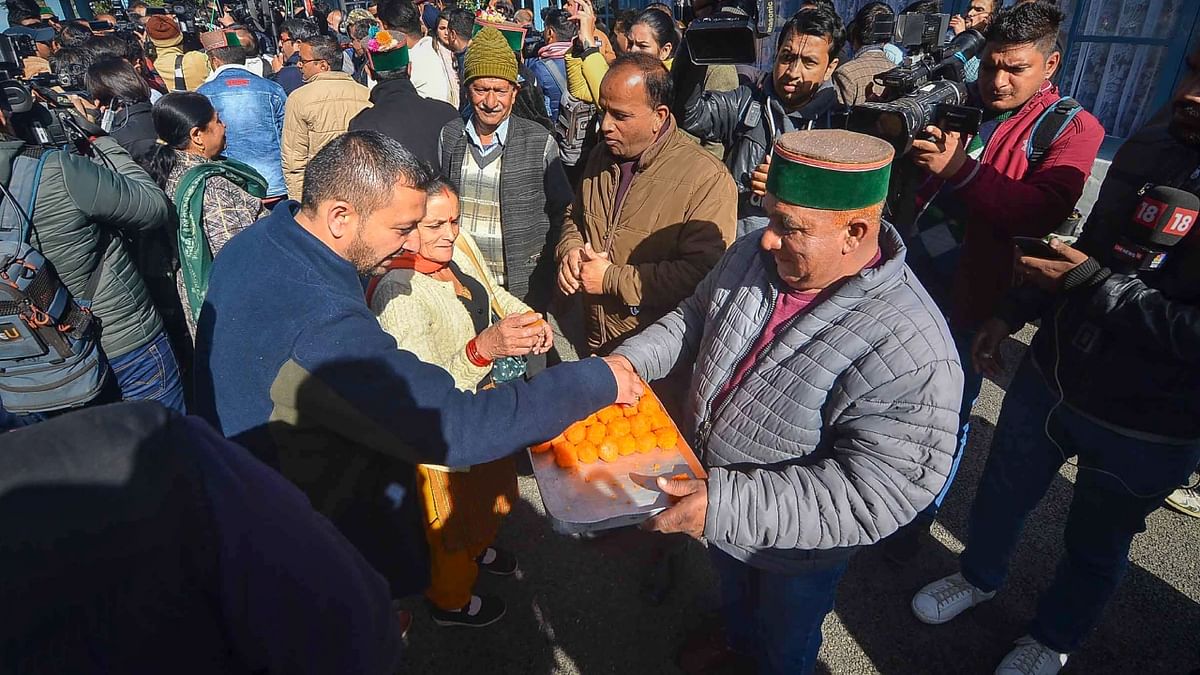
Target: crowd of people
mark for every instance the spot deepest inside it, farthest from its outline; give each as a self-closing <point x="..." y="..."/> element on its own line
<point x="343" y="275"/>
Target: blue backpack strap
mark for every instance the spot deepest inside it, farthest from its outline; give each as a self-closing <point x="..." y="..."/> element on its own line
<point x="1049" y="126"/>
<point x="16" y="219"/>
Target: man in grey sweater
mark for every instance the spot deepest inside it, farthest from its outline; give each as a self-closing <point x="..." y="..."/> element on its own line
<point x="824" y="399"/>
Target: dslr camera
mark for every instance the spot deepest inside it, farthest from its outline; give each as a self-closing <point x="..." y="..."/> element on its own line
<point x="927" y="88"/>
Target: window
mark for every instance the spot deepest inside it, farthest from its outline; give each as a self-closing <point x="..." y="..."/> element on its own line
<point x="1123" y="57"/>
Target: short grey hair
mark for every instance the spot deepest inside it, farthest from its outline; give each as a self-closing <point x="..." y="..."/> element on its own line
<point x="362" y="168"/>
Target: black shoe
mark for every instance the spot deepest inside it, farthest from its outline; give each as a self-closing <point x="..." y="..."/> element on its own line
<point x="503" y="563"/>
<point x="487" y="611"/>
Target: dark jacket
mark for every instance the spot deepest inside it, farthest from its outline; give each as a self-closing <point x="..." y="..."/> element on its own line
<point x="1126" y="347"/>
<point x="134" y="540"/>
<point x="289" y="76"/>
<point x="535" y="195"/>
<point x="747" y="121"/>
<point x="134" y="129"/>
<point x="81" y="205"/>
<point x="398" y="111"/>
<point x="300" y="372"/>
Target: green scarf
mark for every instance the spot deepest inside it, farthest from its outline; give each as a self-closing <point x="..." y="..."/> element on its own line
<point x="195" y="256"/>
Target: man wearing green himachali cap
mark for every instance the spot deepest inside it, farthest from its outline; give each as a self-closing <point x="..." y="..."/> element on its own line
<point x="824" y="400"/>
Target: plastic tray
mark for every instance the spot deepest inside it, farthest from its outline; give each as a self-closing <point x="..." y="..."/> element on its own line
<point x="604" y="495"/>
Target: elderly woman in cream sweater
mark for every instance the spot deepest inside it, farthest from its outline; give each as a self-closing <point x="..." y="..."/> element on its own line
<point x="443" y="305"/>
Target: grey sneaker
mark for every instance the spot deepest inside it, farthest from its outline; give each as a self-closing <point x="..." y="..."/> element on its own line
<point x="946" y="598"/>
<point x="1185" y="501"/>
<point x="1031" y="657"/>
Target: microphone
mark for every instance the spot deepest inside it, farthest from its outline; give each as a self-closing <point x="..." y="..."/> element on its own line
<point x="1161" y="220"/>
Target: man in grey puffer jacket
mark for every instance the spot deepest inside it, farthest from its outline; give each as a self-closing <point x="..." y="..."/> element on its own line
<point x="824" y="401"/>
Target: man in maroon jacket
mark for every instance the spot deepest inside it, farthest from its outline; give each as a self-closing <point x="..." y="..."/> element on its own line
<point x="991" y="182"/>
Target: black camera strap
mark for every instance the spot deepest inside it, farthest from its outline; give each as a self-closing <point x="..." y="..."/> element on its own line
<point x="180" y="82"/>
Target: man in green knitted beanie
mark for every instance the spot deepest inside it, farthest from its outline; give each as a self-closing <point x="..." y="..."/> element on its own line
<point x="494" y="147"/>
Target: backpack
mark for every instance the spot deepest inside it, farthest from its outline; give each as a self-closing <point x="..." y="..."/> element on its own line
<point x="50" y="357"/>
<point x="574" y="126"/>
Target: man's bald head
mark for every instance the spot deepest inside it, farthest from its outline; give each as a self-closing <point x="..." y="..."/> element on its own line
<point x="636" y="99"/>
<point x="645" y="72"/>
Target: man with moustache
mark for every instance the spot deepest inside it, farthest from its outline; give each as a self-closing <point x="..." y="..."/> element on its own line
<point x="654" y="211"/>
<point x="823" y="399"/>
<point x="508" y="174"/>
<point x="1111" y="378"/>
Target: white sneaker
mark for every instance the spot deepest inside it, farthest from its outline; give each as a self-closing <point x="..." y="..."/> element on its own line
<point x="946" y="598"/>
<point x="1031" y="657"/>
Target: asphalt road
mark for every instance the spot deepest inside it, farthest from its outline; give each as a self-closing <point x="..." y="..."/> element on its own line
<point x="576" y="606"/>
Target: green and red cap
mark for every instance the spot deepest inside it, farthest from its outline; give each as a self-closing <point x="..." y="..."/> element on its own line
<point x="830" y="169"/>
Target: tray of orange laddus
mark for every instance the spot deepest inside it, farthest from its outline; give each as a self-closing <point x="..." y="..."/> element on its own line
<point x="601" y="472"/>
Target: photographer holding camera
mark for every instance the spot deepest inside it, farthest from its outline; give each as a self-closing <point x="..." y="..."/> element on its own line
<point x="748" y="120"/>
<point x="183" y="69"/>
<point x="1110" y="377"/>
<point x="1009" y="180"/>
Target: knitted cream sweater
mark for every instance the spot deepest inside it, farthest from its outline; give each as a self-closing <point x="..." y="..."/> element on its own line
<point x="427" y="318"/>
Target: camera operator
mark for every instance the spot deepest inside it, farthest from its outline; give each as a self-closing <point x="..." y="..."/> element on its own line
<point x="1110" y="377"/>
<point x="855" y="79"/>
<point x="748" y="120"/>
<point x="83" y="208"/>
<point x="43" y="39"/>
<point x="990" y="183"/>
<point x="182" y="70"/>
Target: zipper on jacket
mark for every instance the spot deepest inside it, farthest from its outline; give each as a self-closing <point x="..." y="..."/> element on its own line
<point x="705" y="427"/>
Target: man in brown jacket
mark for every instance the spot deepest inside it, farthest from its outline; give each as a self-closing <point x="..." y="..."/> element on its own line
<point x="320" y="111"/>
<point x="653" y="214"/>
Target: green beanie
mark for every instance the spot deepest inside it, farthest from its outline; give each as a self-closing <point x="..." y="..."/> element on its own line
<point x="490" y="56"/>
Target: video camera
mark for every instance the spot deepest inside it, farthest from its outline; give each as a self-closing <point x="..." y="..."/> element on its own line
<point x="927" y="87"/>
<point x="51" y="121"/>
<point x="731" y="36"/>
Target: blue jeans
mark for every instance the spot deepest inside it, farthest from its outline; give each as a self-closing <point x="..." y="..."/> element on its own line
<point x="775" y="618"/>
<point x="150" y="373"/>
<point x="1104" y="515"/>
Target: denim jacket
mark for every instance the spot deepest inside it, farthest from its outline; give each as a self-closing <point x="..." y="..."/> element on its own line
<point x="252" y="109"/>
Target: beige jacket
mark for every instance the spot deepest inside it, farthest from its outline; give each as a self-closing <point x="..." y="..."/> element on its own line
<point x="193" y="66"/>
<point x="317" y="113"/>
<point x="427" y="318"/>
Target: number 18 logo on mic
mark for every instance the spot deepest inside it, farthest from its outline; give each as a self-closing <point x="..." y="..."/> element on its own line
<point x="1170" y="219"/>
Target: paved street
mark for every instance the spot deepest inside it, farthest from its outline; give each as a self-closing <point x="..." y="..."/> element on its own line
<point x="576" y="607"/>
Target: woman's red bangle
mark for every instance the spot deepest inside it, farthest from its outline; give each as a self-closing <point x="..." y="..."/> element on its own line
<point x="474" y="356"/>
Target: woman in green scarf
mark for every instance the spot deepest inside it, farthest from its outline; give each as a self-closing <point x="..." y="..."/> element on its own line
<point x="215" y="197"/>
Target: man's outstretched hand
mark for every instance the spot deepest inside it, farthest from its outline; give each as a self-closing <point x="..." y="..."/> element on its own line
<point x="629" y="385"/>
